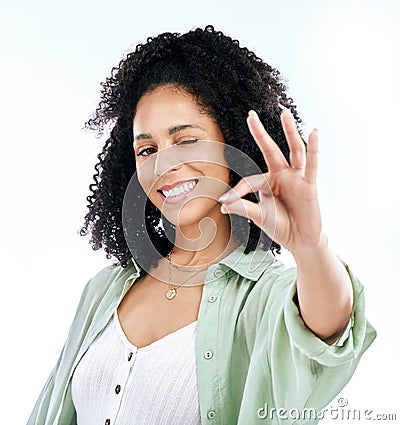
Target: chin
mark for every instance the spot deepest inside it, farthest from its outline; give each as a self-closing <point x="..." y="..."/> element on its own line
<point x="191" y="213"/>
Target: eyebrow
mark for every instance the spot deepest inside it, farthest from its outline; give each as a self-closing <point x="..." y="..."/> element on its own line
<point x="171" y="131"/>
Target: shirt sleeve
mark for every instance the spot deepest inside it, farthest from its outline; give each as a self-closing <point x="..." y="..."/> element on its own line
<point x="42" y="403"/>
<point x="51" y="395"/>
<point x="306" y="372"/>
<point x="39" y="414"/>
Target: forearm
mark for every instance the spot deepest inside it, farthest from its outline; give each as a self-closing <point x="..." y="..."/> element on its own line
<point x="324" y="290"/>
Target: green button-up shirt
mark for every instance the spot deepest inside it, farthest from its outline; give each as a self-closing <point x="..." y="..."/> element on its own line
<point x="257" y="362"/>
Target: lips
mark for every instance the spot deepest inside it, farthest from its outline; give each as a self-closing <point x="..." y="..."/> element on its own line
<point x="171" y="186"/>
<point x="178" y="190"/>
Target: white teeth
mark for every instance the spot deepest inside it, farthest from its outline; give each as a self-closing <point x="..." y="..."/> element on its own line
<point x="183" y="188"/>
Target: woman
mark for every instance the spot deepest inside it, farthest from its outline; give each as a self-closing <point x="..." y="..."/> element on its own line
<point x="198" y="322"/>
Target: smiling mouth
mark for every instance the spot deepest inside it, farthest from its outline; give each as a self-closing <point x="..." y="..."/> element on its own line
<point x="180" y="190"/>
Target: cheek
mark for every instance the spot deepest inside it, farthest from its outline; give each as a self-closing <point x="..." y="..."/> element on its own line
<point x="145" y="176"/>
<point x="142" y="181"/>
<point x="222" y="173"/>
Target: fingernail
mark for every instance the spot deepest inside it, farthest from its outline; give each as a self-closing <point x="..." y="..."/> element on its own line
<point x="224" y="197"/>
<point x="253" y="113"/>
<point x="288" y="111"/>
<point x="224" y="210"/>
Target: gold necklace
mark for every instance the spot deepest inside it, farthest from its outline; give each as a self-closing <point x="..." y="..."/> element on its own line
<point x="171" y="293"/>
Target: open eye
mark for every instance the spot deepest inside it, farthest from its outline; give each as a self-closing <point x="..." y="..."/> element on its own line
<point x="144" y="152"/>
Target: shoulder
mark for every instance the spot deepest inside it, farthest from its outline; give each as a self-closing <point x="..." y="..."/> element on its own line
<point x="270" y="281"/>
<point x="99" y="293"/>
<point x="106" y="279"/>
<point x="276" y="274"/>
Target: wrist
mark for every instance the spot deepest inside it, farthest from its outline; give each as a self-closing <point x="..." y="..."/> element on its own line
<point x="316" y="249"/>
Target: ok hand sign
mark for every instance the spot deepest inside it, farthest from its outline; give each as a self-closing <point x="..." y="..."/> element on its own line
<point x="288" y="209"/>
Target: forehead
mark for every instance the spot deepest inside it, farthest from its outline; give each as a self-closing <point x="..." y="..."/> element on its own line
<point x="166" y="106"/>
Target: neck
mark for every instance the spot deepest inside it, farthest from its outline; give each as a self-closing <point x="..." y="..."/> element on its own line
<point x="207" y="242"/>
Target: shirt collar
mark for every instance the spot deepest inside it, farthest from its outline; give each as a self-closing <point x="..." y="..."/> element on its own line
<point x="136" y="268"/>
<point x="251" y="265"/>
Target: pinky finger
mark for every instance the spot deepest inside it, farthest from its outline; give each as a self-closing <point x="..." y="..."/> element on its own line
<point x="311" y="157"/>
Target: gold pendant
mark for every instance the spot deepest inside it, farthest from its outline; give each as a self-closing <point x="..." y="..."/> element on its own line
<point x="171" y="294"/>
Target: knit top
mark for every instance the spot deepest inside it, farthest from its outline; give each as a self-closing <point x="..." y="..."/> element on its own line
<point x="117" y="383"/>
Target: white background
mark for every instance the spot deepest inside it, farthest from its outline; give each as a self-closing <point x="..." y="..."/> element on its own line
<point x="341" y="59"/>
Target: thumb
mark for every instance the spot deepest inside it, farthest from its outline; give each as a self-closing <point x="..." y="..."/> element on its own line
<point x="244" y="208"/>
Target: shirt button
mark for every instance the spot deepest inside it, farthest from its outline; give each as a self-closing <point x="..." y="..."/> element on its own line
<point x="212" y="298"/>
<point x="117" y="389"/>
<point x="107" y="422"/>
<point x="130" y="357"/>
<point x="208" y="354"/>
<point x="217" y="273"/>
<point x="211" y="414"/>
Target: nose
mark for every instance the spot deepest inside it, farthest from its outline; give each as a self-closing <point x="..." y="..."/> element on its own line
<point x="166" y="160"/>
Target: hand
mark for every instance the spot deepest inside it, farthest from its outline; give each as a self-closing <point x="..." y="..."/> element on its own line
<point x="288" y="209"/>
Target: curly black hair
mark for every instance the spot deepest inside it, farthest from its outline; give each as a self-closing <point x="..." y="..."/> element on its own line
<point x="227" y="81"/>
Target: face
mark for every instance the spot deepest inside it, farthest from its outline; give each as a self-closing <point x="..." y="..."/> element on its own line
<point x="179" y="156"/>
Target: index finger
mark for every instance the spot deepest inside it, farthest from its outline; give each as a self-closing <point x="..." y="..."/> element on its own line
<point x="273" y="156"/>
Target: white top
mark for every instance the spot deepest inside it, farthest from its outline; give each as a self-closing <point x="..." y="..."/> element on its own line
<point x="116" y="383"/>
